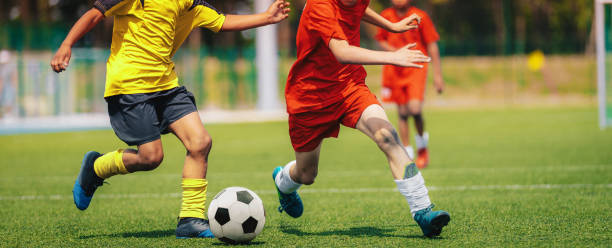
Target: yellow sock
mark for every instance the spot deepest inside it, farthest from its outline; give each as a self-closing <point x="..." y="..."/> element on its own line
<point x="194" y="198"/>
<point x="110" y="164"/>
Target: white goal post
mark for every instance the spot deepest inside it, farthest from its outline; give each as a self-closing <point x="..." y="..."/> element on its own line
<point x="601" y="62"/>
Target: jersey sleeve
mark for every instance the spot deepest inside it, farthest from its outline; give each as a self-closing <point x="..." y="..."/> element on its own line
<point x="206" y="16"/>
<point x="428" y="30"/>
<point x="324" y="22"/>
<point x="112" y="7"/>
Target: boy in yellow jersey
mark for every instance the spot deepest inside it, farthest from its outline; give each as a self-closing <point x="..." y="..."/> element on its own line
<point x="144" y="97"/>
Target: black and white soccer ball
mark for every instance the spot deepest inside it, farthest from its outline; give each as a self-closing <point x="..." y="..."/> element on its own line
<point x="236" y="215"/>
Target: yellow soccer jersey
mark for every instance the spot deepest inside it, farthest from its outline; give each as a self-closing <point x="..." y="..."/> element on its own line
<point x="146" y="34"/>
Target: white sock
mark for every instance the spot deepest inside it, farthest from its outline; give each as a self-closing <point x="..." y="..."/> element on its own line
<point x="410" y="152"/>
<point x="283" y="180"/>
<point x="415" y="192"/>
<point x="421" y="141"/>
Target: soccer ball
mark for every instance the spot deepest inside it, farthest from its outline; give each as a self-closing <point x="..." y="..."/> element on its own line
<point x="236" y="215"/>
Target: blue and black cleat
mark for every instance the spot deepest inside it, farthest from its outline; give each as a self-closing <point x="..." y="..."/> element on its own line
<point x="431" y="222"/>
<point x="87" y="181"/>
<point x="290" y="203"/>
<point x="191" y="227"/>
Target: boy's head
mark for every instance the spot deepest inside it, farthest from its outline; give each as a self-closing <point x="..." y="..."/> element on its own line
<point x="400" y="4"/>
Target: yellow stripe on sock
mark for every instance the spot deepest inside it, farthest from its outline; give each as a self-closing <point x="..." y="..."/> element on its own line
<point x="110" y="164"/>
<point x="194" y="198"/>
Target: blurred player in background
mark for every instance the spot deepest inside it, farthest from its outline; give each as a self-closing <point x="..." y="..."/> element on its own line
<point x="326" y="88"/>
<point x="405" y="86"/>
<point x="144" y="97"/>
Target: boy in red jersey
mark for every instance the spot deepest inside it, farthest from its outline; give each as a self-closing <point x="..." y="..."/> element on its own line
<point x="326" y="88"/>
<point x="406" y="86"/>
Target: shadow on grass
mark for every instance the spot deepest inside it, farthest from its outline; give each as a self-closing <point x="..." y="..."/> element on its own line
<point x="144" y="234"/>
<point x="158" y="234"/>
<point x="364" y="231"/>
<point x="247" y="244"/>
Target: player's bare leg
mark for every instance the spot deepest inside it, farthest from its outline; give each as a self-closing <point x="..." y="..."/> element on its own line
<point x="415" y="108"/>
<point x="404" y="128"/>
<point x="375" y="124"/>
<point x="307" y="166"/>
<point x="190" y="130"/>
<point x="410" y="182"/>
<point x="290" y="177"/>
<point x="148" y="157"/>
<point x="197" y="141"/>
<point x="97" y="167"/>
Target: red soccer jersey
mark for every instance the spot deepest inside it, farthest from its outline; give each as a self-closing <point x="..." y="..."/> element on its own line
<point x="426" y="33"/>
<point x="317" y="79"/>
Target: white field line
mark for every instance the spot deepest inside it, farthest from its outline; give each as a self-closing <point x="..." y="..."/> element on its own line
<point x="486" y="170"/>
<point x="328" y="191"/>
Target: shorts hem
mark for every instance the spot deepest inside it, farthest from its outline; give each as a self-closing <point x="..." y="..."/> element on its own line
<point x="144" y="141"/>
<point x="167" y="129"/>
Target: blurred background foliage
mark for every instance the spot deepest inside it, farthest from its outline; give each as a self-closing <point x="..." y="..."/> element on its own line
<point x="468" y="27"/>
<point x="485" y="46"/>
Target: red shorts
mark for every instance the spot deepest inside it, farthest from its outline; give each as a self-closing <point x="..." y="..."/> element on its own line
<point x="404" y="93"/>
<point x="308" y="129"/>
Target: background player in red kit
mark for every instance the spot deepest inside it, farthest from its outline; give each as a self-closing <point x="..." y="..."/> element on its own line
<point x="326" y="88"/>
<point x="406" y="86"/>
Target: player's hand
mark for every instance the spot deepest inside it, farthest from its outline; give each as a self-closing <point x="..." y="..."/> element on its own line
<point x="278" y="11"/>
<point x="439" y="84"/>
<point x="410" y="22"/>
<point x="61" y="59"/>
<point x="408" y="57"/>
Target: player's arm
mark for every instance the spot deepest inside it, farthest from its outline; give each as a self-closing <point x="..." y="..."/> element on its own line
<point x="347" y="54"/>
<point x="434" y="51"/>
<point x="278" y="11"/>
<point x="370" y="16"/>
<point x="62" y="57"/>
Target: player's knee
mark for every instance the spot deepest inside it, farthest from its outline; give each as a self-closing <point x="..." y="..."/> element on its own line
<point x="414" y="110"/>
<point x="306" y="176"/>
<point x="385" y="136"/>
<point x="151" y="160"/>
<point x="200" y="146"/>
<point x="403" y="112"/>
<point x="308" y="179"/>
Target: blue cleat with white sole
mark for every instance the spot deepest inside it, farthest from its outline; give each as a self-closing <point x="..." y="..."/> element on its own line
<point x="290" y="203"/>
<point x="192" y="227"/>
<point x="87" y="181"/>
<point x="431" y="222"/>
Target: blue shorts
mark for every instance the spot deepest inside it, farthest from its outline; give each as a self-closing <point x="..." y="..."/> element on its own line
<point x="141" y="118"/>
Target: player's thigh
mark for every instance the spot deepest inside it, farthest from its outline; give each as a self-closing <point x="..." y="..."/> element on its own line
<point x="373" y="119"/>
<point x="190" y="130"/>
<point x="180" y="116"/>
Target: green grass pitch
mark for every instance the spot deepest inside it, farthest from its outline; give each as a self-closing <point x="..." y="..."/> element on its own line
<point x="509" y="177"/>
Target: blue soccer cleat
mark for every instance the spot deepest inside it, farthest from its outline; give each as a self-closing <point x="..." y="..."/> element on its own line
<point x="431" y="222"/>
<point x="191" y="227"/>
<point x="87" y="182"/>
<point x="290" y="203"/>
